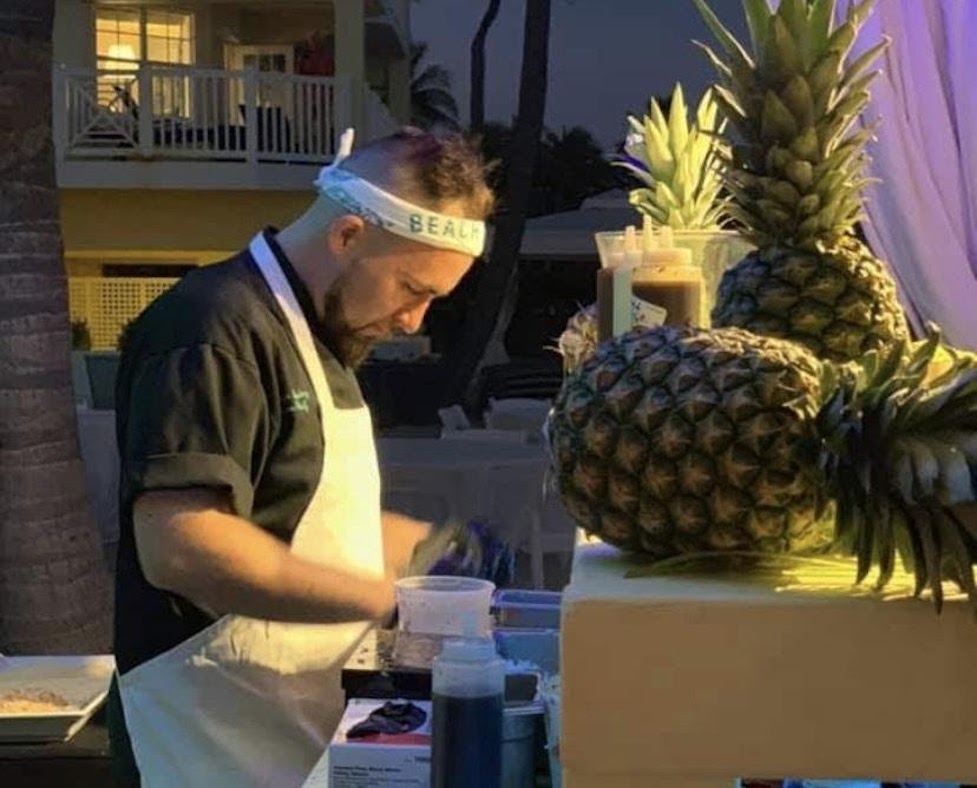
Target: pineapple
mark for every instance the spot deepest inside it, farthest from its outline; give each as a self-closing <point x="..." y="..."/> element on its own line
<point x="795" y="176"/>
<point x="677" y="162"/>
<point x="672" y="441"/>
<point x="579" y="340"/>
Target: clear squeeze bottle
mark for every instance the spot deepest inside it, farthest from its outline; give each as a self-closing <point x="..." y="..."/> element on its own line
<point x="468" y="687"/>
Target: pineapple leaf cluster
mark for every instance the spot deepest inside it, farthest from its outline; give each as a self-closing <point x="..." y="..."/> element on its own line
<point x="798" y="165"/>
<point x="900" y="458"/>
<point x="677" y="160"/>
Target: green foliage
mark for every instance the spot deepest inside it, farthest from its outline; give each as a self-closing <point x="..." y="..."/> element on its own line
<point x="570" y="167"/>
<point x="81" y="337"/>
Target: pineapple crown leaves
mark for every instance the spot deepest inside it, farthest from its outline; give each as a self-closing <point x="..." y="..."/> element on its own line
<point x="792" y="90"/>
<point x="678" y="163"/>
<point x="899" y="454"/>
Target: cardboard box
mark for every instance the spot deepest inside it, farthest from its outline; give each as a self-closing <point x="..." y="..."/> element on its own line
<point x="402" y="760"/>
<point x="680" y="680"/>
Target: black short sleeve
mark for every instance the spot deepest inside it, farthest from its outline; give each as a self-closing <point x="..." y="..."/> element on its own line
<point x="196" y="417"/>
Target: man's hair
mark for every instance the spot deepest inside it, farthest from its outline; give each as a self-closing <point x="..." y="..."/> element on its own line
<point x="429" y="169"/>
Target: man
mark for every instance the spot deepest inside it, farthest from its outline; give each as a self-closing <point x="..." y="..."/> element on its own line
<point x="253" y="552"/>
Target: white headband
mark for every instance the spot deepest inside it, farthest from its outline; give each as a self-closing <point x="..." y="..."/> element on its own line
<point x="383" y="209"/>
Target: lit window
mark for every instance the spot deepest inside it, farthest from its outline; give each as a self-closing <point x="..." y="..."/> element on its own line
<point x="128" y="37"/>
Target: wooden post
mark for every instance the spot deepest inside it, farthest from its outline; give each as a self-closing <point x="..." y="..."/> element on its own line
<point x="251" y="114"/>
<point x="351" y="52"/>
<point x="59" y="112"/>
<point x="144" y="79"/>
<point x="343" y="109"/>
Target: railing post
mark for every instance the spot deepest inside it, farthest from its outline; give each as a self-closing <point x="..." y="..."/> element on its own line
<point x="345" y="109"/>
<point x="144" y="79"/>
<point x="251" y="114"/>
<point x="59" y="112"/>
<point x="358" y="106"/>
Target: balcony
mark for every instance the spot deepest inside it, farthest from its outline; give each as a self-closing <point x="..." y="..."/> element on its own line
<point x="185" y="127"/>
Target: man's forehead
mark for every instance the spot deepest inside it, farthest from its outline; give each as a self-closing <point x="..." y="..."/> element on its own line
<point x="434" y="269"/>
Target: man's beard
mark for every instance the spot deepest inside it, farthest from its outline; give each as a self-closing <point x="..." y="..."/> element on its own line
<point x="350" y="346"/>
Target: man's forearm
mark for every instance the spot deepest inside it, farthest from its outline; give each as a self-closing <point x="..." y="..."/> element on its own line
<point x="228" y="565"/>
<point x="401" y="534"/>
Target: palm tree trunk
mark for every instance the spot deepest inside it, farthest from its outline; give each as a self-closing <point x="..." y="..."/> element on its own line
<point x="477" y="105"/>
<point x="497" y="285"/>
<point x="54" y="590"/>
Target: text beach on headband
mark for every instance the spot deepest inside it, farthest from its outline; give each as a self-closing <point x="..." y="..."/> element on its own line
<point x="383" y="209"/>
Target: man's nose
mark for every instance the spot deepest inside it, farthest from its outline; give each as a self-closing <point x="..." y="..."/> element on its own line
<point x="409" y="320"/>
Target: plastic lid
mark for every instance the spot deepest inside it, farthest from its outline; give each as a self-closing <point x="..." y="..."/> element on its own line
<point x="470" y="650"/>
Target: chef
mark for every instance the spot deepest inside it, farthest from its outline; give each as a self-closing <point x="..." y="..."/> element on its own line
<point x="253" y="553"/>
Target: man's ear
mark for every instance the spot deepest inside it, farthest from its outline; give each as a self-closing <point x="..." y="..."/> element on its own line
<point x="344" y="233"/>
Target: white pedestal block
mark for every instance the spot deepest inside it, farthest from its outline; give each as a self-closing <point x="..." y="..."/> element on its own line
<point x="675" y="681"/>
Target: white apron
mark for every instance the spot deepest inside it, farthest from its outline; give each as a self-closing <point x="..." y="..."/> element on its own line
<point x="248" y="702"/>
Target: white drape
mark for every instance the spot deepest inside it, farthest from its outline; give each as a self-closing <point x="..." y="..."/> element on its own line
<point x="922" y="215"/>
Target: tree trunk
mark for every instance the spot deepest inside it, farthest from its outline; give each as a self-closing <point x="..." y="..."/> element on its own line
<point x="477" y="105"/>
<point x="497" y="283"/>
<point x="54" y="589"/>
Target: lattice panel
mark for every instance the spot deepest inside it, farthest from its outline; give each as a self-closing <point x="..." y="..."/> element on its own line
<point x="106" y="305"/>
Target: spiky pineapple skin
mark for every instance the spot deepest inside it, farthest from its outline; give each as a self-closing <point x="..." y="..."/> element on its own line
<point x="672" y="441"/>
<point x="839" y="303"/>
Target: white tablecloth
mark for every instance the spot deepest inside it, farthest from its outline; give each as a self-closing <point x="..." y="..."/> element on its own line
<point x="428" y="478"/>
<point x="441" y="479"/>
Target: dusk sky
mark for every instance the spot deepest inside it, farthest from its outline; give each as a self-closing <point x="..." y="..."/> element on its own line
<point x="606" y="56"/>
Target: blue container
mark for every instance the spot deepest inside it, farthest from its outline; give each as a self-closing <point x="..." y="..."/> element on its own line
<point x="539" y="647"/>
<point x="515" y="608"/>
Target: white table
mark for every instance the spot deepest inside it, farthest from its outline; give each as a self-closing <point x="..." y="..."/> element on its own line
<point x="501" y="481"/>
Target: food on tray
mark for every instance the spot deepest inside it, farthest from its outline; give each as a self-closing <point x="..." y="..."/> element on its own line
<point x="31" y="700"/>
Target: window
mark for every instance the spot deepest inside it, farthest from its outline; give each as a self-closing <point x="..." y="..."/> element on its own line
<point x="264" y="58"/>
<point x="128" y="37"/>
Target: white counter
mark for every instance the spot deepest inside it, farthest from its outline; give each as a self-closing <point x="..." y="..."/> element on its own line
<point x="687" y="681"/>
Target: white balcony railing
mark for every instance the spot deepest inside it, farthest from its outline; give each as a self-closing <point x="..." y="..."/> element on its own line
<point x="174" y="113"/>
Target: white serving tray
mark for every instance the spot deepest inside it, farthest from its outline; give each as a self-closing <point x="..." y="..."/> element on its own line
<point x="82" y="680"/>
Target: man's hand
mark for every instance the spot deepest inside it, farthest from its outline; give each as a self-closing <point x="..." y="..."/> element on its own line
<point x="469" y="550"/>
<point x="401" y="534"/>
<point x="187" y="542"/>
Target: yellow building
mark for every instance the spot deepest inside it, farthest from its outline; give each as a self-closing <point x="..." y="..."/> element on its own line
<point x="181" y="128"/>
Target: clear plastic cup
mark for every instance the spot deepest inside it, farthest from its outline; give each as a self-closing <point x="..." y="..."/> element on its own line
<point x="457" y="606"/>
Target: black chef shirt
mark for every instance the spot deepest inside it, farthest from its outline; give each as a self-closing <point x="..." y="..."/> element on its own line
<point x="212" y="393"/>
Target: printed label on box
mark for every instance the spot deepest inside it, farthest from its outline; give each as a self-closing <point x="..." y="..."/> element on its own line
<point x="376" y="760"/>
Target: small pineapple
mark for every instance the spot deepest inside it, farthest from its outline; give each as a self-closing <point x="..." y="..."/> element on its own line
<point x="795" y="175"/>
<point x="579" y="340"/>
<point x="672" y="441"/>
<point x="677" y="161"/>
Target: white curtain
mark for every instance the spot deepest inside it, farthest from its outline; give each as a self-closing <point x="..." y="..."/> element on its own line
<point x="922" y="215"/>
